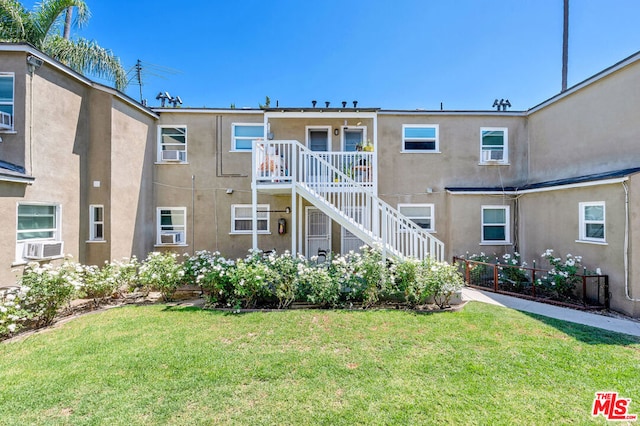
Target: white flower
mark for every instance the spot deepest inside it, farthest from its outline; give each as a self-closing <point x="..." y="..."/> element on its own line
<point x="11" y="328"/>
<point x="598" y="271"/>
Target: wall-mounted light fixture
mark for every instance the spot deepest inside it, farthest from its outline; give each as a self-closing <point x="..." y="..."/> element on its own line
<point x="336" y="131"/>
<point x="229" y="190"/>
<point x="34" y="63"/>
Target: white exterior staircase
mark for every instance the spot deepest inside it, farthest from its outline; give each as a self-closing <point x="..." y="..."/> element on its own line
<point x="339" y="184"/>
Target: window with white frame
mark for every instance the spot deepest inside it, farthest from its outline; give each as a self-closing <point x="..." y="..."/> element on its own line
<point x="592" y="221"/>
<point x="172" y="225"/>
<point x="6" y="100"/>
<point x="243" y="135"/>
<point x="242" y="218"/>
<point x="172" y="144"/>
<point x="494" y="145"/>
<point x="420" y="138"/>
<point x="38" y="222"/>
<point x="96" y="222"/>
<point x="495" y="224"/>
<point x="421" y="214"/>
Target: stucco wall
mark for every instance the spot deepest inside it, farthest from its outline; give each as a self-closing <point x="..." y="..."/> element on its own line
<point x="593" y="130"/>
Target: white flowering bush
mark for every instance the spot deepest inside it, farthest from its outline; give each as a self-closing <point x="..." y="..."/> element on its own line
<point x="13" y="314"/>
<point x="286" y="280"/>
<point x="513" y="276"/>
<point x="49" y="288"/>
<point x="97" y="283"/>
<point x="162" y="272"/>
<point x="561" y="280"/>
<point x="317" y="286"/>
<point x="411" y="280"/>
<point x="375" y="275"/>
<point x="211" y="272"/>
<point x="443" y="281"/>
<point x="253" y="282"/>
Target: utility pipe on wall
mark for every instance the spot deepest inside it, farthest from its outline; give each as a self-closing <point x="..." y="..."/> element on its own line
<point x="626" y="243"/>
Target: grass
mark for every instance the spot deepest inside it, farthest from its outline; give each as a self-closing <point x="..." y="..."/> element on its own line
<point x="162" y="365"/>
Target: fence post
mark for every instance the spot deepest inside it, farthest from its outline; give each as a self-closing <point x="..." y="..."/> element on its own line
<point x="495" y="277"/>
<point x="606" y="292"/>
<point x="533" y="279"/>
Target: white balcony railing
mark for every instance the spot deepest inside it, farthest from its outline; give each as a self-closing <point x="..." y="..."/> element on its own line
<point x="329" y="181"/>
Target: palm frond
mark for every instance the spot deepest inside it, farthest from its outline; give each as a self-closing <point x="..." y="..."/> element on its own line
<point x="87" y="57"/>
<point x="49" y="15"/>
<point x="12" y="20"/>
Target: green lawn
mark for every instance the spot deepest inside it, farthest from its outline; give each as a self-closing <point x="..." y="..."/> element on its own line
<point x="159" y="365"/>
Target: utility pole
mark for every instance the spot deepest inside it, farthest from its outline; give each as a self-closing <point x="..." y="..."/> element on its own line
<point x="565" y="45"/>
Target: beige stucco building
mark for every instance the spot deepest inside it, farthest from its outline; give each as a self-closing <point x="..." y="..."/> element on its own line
<point x="88" y="171"/>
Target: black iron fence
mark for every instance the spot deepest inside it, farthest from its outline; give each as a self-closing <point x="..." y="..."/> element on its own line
<point x="586" y="291"/>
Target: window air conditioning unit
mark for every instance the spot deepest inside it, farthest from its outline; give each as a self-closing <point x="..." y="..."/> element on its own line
<point x="5" y="121"/>
<point x="172" y="237"/>
<point x="491" y="155"/>
<point x="43" y="249"/>
<point x="172" y="155"/>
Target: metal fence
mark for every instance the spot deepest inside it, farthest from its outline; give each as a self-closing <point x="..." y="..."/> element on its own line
<point x="582" y="291"/>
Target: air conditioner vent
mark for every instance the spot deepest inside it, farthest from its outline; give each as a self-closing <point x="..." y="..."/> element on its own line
<point x="172" y="237"/>
<point x="173" y="155"/>
<point x="43" y="249"/>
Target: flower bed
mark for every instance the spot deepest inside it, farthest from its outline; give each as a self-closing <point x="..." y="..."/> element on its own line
<point x="257" y="281"/>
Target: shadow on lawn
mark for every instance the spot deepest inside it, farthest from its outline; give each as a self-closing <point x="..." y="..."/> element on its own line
<point x="587" y="334"/>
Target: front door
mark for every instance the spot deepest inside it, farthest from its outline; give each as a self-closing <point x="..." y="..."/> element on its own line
<point x="318" y="140"/>
<point x="318" y="232"/>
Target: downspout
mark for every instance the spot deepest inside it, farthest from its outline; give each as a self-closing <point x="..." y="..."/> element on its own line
<point x="193" y="215"/>
<point x="31" y="73"/>
<point x="626" y="243"/>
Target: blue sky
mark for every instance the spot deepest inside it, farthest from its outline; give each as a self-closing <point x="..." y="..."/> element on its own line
<point x="400" y="54"/>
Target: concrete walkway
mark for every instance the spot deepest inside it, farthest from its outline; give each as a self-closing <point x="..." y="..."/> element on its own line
<point x="619" y="325"/>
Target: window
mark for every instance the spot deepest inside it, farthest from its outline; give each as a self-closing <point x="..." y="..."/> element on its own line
<point x="493" y="145"/>
<point x="172" y="144"/>
<point x="420" y="138"/>
<point x="421" y="214"/>
<point x="244" y="135"/>
<point x="495" y="224"/>
<point x="592" y="217"/>
<point x="172" y="225"/>
<point x="242" y="219"/>
<point x="38" y="221"/>
<point x="96" y="222"/>
<point x="6" y="101"/>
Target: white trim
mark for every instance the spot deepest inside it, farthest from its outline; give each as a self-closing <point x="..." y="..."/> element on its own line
<point x="507" y="225"/>
<point x="57" y="232"/>
<point x="260" y="208"/>
<point x="582" y="232"/>
<point x="550" y="188"/>
<point x="233" y="135"/>
<point x="436" y="149"/>
<point x="431" y="206"/>
<point x="188" y="110"/>
<point x="93" y="223"/>
<point x="28" y="181"/>
<point x="491" y="113"/>
<point x="315" y="113"/>
<point x="329" y="130"/>
<point x="505" y="146"/>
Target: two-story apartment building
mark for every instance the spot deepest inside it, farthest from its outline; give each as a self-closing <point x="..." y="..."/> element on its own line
<point x="88" y="171"/>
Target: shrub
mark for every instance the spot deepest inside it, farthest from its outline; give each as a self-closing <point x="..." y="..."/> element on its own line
<point x="212" y="273"/>
<point x="411" y="281"/>
<point x="374" y="274"/>
<point x="562" y="278"/>
<point x="317" y="287"/>
<point x="49" y="288"/>
<point x="97" y="283"/>
<point x="285" y="268"/>
<point x="162" y="272"/>
<point x="13" y="313"/>
<point x="443" y="281"/>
